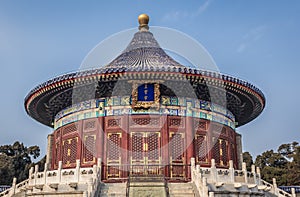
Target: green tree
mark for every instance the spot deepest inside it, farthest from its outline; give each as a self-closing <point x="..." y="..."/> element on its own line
<point x="247" y="158"/>
<point x="284" y="165"/>
<point x="15" y="161"/>
<point x="291" y="152"/>
<point x="272" y="165"/>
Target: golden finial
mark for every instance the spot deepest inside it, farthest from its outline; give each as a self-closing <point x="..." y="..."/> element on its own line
<point x="143" y="20"/>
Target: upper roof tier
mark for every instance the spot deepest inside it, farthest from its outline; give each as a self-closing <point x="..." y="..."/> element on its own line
<point x="143" y="53"/>
<point x="143" y="58"/>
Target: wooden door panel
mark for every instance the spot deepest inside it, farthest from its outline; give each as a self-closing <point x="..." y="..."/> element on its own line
<point x="114" y="155"/>
<point x="145" y="152"/>
<point x="177" y="156"/>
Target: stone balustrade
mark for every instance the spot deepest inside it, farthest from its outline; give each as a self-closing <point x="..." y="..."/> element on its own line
<point x="80" y="181"/>
<point x="208" y="179"/>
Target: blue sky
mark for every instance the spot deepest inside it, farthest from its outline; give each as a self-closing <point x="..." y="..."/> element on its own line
<point x="255" y="40"/>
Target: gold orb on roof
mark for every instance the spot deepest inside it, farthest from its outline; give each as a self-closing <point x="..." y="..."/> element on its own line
<point x="143" y="19"/>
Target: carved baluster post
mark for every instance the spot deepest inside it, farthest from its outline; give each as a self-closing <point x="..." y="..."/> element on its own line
<point x="259" y="176"/>
<point x="193" y="169"/>
<point x="77" y="171"/>
<point x="31" y="179"/>
<point x="14" y="183"/>
<point x="244" y="169"/>
<point x="198" y="176"/>
<point x="59" y="171"/>
<point x="275" y="186"/>
<point x="36" y="170"/>
<point x="94" y="172"/>
<point x="213" y="170"/>
<point x="293" y="192"/>
<point x="231" y="171"/>
<point x="99" y="166"/>
<point x="254" y="173"/>
<point x="45" y="173"/>
<point x="204" y="186"/>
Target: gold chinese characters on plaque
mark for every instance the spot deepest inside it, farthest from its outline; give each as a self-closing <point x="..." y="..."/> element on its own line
<point x="145" y="94"/>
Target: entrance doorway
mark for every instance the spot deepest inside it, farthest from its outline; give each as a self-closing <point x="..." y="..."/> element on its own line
<point x="145" y="150"/>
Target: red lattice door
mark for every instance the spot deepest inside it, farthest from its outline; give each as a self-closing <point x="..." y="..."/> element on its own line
<point x="113" y="148"/>
<point x="176" y="152"/>
<point x="201" y="149"/>
<point x="145" y="152"/>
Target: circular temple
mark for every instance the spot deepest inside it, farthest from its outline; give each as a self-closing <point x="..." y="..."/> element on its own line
<point x="144" y="113"/>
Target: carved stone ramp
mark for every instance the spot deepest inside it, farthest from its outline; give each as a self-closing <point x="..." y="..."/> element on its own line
<point x="147" y="186"/>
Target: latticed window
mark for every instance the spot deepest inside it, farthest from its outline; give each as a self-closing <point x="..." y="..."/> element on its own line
<point x="176" y="122"/>
<point x="153" y="146"/>
<point x="114" y="144"/>
<point x="216" y="150"/>
<point x="89" y="148"/>
<point x="216" y="129"/>
<point x="145" y="121"/>
<point x="70" y="129"/>
<point x="177" y="146"/>
<point x="201" y="148"/>
<point x="200" y="125"/>
<point x="89" y="125"/>
<point x="69" y="151"/>
<point x="137" y="146"/>
<point x="113" y="122"/>
<point x="224" y="152"/>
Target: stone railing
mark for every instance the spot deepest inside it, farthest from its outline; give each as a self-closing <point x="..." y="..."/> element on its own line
<point x="51" y="180"/>
<point x="4" y="187"/>
<point x="14" y="188"/>
<point x="202" y="177"/>
<point x="277" y="191"/>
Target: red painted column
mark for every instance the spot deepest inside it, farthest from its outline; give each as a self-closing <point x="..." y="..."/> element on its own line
<point x="124" y="146"/>
<point x="104" y="160"/>
<point x="99" y="139"/>
<point x="165" y="144"/>
<point x="80" y="144"/>
<point x="190" y="134"/>
<point x="209" y="143"/>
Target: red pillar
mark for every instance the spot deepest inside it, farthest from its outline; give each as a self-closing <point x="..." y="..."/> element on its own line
<point x="190" y="134"/>
<point x="99" y="139"/>
<point x="165" y="144"/>
<point x="80" y="144"/>
<point x="124" y="146"/>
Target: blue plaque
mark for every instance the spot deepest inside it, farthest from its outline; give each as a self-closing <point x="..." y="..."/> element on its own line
<point x="146" y="92"/>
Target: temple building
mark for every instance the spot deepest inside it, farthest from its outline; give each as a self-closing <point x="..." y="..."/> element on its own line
<point x="144" y="125"/>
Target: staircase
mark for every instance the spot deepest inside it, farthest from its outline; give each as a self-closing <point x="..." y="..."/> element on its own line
<point x="182" y="190"/>
<point x="113" y="190"/>
<point x="147" y="186"/>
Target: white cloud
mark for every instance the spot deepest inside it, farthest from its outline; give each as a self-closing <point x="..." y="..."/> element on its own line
<point x="203" y="7"/>
<point x="176" y="15"/>
<point x="251" y="36"/>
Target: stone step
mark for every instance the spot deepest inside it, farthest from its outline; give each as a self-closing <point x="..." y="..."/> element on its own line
<point x="147" y="184"/>
<point x="181" y="190"/>
<point x="181" y="195"/>
<point x="113" y="190"/>
<point x="112" y="195"/>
